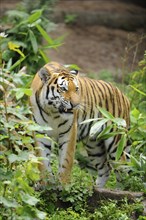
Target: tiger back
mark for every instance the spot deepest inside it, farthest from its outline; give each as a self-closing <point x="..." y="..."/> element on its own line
<point x="62" y="99"/>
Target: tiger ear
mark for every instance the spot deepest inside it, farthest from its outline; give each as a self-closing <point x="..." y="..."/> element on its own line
<point x="44" y="75"/>
<point x="74" y="72"/>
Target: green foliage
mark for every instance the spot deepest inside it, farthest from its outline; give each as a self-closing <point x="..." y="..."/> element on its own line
<point x="137" y="133"/>
<point x="74" y="194"/>
<point x="106" y="75"/>
<point x="18" y="167"/>
<point x="79" y="190"/>
<point x="111" y="210"/>
<point x="138" y="85"/>
<point x="33" y="5"/>
<point x="70" y="18"/>
<point x="25" y="38"/>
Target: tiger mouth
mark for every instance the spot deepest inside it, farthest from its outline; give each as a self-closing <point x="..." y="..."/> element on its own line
<point x="62" y="109"/>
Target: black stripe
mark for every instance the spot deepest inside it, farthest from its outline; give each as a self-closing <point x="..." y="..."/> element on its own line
<point x="101" y="164"/>
<point x="57" y="116"/>
<point x="106" y="96"/>
<point x="112" y="94"/>
<point x="63" y="123"/>
<point x="93" y="90"/>
<point x="66" y="160"/>
<point x="99" y="154"/>
<point x="34" y="119"/>
<point x="110" y="145"/>
<point x="62" y="133"/>
<point x="52" y="89"/>
<point x="61" y="145"/>
<point x="101" y="91"/>
<point x="47" y="93"/>
<point x="40" y="109"/>
<point x="46" y="146"/>
<point x="103" y="174"/>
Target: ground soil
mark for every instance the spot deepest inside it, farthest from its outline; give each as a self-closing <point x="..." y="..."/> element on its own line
<point x="94" y="47"/>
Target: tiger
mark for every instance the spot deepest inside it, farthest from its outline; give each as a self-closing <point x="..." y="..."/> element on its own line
<point x="62" y="99"/>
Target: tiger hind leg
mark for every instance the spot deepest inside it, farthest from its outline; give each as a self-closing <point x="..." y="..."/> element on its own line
<point x="111" y="148"/>
<point x="98" y="158"/>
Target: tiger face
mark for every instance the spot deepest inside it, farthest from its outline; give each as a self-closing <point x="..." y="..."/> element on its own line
<point x="60" y="87"/>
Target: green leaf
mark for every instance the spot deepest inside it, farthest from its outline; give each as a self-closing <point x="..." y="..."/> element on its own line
<point x="35" y="23"/>
<point x="30" y="200"/>
<point x="135" y="112"/>
<point x="27" y="92"/>
<point x="17" y="63"/>
<point x="33" y="41"/>
<point x="15" y="47"/>
<point x="40" y="214"/>
<point x="89" y="120"/>
<point x="97" y="126"/>
<point x="137" y="90"/>
<point x="105" y="131"/>
<point x="135" y="162"/>
<point x="44" y="56"/>
<point x="73" y="67"/>
<point x="22" y="156"/>
<point x="121" y="146"/>
<point x="45" y="34"/>
<point x="32" y="18"/>
<point x="7" y="203"/>
<point x="105" y="113"/>
<point x="37" y="127"/>
<point x="20" y="92"/>
<point x="120" y="122"/>
<point x="111" y="134"/>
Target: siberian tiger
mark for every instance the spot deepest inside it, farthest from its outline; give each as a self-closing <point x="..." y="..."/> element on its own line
<point x="62" y="100"/>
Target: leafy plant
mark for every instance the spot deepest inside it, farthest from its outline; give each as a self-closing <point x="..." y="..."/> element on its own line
<point x="25" y="34"/>
<point x="137" y="83"/>
<point x="113" y="210"/>
<point x="79" y="190"/>
<point x="19" y="165"/>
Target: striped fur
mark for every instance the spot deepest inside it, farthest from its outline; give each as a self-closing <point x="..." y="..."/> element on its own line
<point x="62" y="99"/>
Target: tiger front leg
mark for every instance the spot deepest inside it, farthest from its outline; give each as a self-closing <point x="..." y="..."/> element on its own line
<point x="67" y="145"/>
<point x="44" y="150"/>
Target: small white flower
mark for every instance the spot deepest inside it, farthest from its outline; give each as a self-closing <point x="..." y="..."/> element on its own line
<point x="2" y="34"/>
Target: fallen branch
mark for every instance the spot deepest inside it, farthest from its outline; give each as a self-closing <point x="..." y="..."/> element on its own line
<point x="105" y="194"/>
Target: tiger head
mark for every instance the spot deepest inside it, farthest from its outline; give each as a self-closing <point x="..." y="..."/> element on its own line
<point x="60" y="87"/>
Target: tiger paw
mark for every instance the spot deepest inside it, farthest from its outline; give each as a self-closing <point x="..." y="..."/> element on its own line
<point x="64" y="178"/>
<point x="101" y="181"/>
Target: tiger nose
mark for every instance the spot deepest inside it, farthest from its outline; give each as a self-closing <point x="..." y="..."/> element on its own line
<point x="50" y="102"/>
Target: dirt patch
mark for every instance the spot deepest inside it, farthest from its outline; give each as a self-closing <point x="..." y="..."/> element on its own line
<point x="95" y="48"/>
